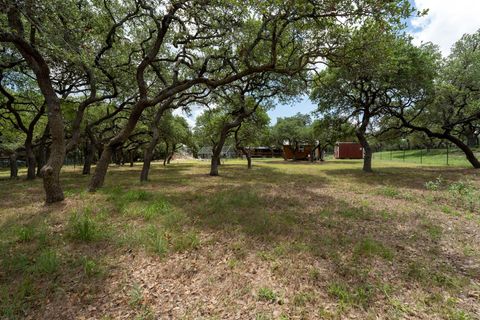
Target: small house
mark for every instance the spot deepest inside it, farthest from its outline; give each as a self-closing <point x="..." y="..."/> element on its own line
<point x="348" y="150"/>
<point x="302" y="153"/>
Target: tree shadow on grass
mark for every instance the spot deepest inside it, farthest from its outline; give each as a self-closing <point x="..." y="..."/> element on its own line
<point x="276" y="211"/>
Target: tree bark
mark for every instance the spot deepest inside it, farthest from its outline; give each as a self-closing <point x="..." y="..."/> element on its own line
<point x="216" y="152"/>
<point x="466" y="149"/>
<point x="130" y="156"/>
<point x="447" y="136"/>
<point x="34" y="59"/>
<point x="214" y="165"/>
<point x="13" y="166"/>
<point x="31" y="161"/>
<point x="98" y="177"/>
<point x="247" y="155"/>
<point x="312" y="155"/>
<point x="88" y="158"/>
<point x="471" y="137"/>
<point x="148" y="154"/>
<point x="41" y="157"/>
<point x="166" y="155"/>
<point x="170" y="156"/>
<point x="367" y="158"/>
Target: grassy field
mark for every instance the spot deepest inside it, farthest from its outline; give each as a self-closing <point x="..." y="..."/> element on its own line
<point x="281" y="241"/>
<point x="435" y="157"/>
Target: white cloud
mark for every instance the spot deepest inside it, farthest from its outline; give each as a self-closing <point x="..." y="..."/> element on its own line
<point x="195" y="111"/>
<point x="446" y="21"/>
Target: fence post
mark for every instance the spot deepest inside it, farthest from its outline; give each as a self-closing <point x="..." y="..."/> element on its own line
<point x="421" y="156"/>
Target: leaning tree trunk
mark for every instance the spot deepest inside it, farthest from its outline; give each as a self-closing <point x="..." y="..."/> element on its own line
<point x="367" y="158"/>
<point x="89" y="152"/>
<point x="98" y="177"/>
<point x="170" y="157"/>
<point x="148" y="155"/>
<point x="466" y="149"/>
<point x="472" y="140"/>
<point x="34" y="59"/>
<point x="446" y="135"/>
<point x="13" y="166"/>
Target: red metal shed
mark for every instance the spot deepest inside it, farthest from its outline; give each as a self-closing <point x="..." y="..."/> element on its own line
<point x="348" y="150"/>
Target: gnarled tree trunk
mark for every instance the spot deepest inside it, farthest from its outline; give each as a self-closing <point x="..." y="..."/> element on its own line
<point x="130" y="157"/>
<point x="367" y="150"/>
<point x="247" y="155"/>
<point x="13" y="165"/>
<point x="148" y="156"/>
<point x="35" y="60"/>
<point x="88" y="157"/>
<point x="466" y="149"/>
<point x="216" y="152"/>
<point x="41" y="158"/>
<point x="170" y="156"/>
<point x="51" y="170"/>
<point x="471" y="137"/>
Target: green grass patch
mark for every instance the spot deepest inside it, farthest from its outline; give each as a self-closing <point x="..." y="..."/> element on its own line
<point x="47" y="262"/>
<point x="185" y="241"/>
<point x="83" y="226"/>
<point x="369" y="248"/>
<point x="359" y="295"/>
<point x="389" y="191"/>
<point x="267" y="294"/>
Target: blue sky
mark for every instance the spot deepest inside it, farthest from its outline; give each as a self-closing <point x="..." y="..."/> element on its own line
<point x="282" y="110"/>
<point x="445" y="23"/>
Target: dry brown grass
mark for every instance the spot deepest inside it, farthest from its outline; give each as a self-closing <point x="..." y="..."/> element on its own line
<point x="280" y="241"/>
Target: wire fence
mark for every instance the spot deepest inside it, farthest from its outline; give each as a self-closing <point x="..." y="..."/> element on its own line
<point x="441" y="157"/>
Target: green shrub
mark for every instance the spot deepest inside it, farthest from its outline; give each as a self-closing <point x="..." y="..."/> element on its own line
<point x="389" y="191"/>
<point x="434" y="185"/>
<point x="91" y="267"/>
<point x="266" y="294"/>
